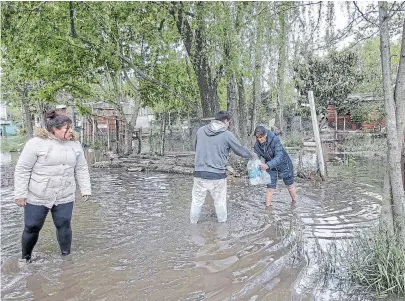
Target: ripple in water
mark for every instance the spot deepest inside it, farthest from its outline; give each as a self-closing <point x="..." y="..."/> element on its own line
<point x="133" y="240"/>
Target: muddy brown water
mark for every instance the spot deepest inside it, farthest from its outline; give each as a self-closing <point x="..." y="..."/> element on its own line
<point x="133" y="240"/>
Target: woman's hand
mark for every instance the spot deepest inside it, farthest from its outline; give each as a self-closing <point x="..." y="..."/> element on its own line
<point x="264" y="166"/>
<point x="21" y="202"/>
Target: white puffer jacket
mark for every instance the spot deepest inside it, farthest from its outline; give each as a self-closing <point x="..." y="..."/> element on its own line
<point x="47" y="168"/>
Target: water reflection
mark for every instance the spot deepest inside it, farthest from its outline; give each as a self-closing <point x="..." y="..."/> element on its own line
<point x="133" y="241"/>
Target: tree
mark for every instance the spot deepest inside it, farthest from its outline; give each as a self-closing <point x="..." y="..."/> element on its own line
<point x="281" y="63"/>
<point x="331" y="78"/>
<point x="194" y="22"/>
<point x="83" y="48"/>
<point x="393" y="135"/>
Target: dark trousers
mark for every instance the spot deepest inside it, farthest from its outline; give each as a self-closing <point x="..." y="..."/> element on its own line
<point x="34" y="219"/>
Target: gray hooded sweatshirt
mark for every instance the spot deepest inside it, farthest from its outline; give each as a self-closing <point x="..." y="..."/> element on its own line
<point x="212" y="147"/>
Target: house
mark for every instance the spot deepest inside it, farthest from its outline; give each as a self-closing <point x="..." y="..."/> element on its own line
<point x="371" y="122"/>
<point x="339" y="122"/>
<point x="106" y="125"/>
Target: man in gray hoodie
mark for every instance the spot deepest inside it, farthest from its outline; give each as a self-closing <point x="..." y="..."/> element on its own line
<point x="212" y="147"/>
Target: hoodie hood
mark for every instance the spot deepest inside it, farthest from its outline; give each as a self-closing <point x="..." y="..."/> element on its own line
<point x="44" y="134"/>
<point x="270" y="137"/>
<point x="216" y="127"/>
<point x="269" y="140"/>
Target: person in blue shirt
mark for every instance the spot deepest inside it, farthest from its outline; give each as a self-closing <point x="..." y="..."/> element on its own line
<point x="278" y="163"/>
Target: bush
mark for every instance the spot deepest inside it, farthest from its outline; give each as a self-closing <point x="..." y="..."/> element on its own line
<point x="365" y="143"/>
<point x="13" y="143"/>
<point x="293" y="139"/>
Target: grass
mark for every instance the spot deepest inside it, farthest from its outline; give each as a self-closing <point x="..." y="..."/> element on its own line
<point x="378" y="264"/>
<point x="13" y="143"/>
<point x="374" y="262"/>
<point x="365" y="143"/>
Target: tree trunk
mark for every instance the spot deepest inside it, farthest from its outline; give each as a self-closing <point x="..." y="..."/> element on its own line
<point x="42" y="111"/>
<point x="232" y="95"/>
<point x="257" y="73"/>
<point x="394" y="153"/>
<point x="134" y="109"/>
<point x="208" y="93"/>
<point x="25" y="106"/>
<point x="399" y="93"/>
<point x="117" y="135"/>
<point x="399" y="96"/>
<point x="195" y="42"/>
<point x="386" y="217"/>
<point x="163" y="135"/>
<point x="281" y="69"/>
<point x="242" y="112"/>
<point x="128" y="132"/>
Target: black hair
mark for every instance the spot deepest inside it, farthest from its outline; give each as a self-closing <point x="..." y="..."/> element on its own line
<point x="260" y="130"/>
<point x="223" y="115"/>
<point x="55" y="120"/>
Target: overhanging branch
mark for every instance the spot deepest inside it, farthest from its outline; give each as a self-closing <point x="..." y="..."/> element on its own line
<point x="157" y="82"/>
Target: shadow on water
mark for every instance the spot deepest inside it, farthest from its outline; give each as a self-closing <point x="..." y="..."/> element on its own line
<point x="133" y="240"/>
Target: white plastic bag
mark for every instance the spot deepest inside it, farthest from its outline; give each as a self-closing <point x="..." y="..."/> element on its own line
<point x="256" y="175"/>
<point x="265" y="177"/>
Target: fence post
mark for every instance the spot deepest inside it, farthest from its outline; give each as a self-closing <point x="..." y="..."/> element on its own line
<point x="82" y="131"/>
<point x="315" y="127"/>
<point x="336" y="124"/>
<point x="108" y="134"/>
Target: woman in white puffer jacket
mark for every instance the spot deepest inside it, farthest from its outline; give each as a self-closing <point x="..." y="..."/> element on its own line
<point x="45" y="179"/>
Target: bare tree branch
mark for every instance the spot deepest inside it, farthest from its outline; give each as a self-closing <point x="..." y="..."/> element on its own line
<point x="361" y="13"/>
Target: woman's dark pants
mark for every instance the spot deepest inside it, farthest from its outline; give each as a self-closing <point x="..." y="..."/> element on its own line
<point x="34" y="219"/>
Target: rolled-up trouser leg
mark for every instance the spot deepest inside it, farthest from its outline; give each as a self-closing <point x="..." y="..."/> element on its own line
<point x="218" y="190"/>
<point x="62" y="215"/>
<point x="199" y="193"/>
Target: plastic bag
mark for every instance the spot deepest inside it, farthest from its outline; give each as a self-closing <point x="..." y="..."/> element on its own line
<point x="256" y="175"/>
<point x="265" y="177"/>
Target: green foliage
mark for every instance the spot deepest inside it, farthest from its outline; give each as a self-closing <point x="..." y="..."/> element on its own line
<point x="364" y="111"/>
<point x="331" y="78"/>
<point x="370" y="65"/>
<point x="13" y="143"/>
<point x="293" y="139"/>
<point x="53" y="53"/>
<point x="377" y="262"/>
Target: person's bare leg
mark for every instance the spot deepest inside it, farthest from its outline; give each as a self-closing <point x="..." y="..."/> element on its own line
<point x="269" y="196"/>
<point x="293" y="194"/>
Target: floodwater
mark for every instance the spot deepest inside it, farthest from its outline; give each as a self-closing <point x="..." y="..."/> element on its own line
<point x="133" y="240"/>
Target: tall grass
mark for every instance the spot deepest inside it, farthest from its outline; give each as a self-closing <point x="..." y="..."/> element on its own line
<point x="377" y="262"/>
<point x="372" y="261"/>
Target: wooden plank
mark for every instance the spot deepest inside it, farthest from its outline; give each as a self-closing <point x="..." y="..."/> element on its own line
<point x="318" y="142"/>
